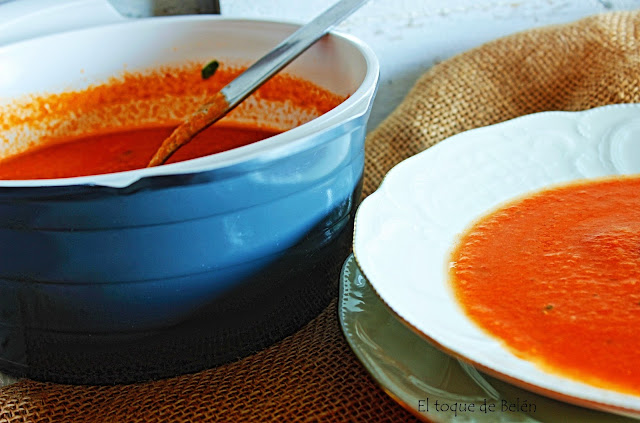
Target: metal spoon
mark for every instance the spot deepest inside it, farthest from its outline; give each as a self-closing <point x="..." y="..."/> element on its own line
<point x="252" y="78"/>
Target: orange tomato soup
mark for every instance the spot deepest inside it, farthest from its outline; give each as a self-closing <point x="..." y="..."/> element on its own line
<point x="556" y="277"/>
<point x="118" y="125"/>
<point x="119" y="151"/>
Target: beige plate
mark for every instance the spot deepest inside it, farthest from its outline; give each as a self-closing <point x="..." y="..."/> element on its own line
<point x="411" y="370"/>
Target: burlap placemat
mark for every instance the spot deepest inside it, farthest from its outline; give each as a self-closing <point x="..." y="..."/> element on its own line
<point x="313" y="375"/>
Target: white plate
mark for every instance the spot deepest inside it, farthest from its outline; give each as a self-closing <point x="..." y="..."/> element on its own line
<point x="406" y="229"/>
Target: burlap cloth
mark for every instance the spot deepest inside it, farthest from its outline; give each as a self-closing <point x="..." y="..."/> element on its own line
<point x="313" y="375"/>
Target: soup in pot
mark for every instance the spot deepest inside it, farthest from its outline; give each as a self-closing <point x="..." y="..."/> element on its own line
<point x="118" y="125"/>
<point x="120" y="151"/>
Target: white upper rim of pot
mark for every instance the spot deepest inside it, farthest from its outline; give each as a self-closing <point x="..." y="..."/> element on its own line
<point x="281" y="145"/>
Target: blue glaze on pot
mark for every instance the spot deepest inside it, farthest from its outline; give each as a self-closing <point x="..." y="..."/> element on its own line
<point x="139" y="267"/>
<point x="124" y="257"/>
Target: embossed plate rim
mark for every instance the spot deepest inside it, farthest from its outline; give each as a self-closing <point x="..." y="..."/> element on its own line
<point x="409" y="225"/>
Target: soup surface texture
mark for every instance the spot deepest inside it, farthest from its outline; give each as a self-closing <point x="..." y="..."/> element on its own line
<point x="119" y="151"/>
<point x="556" y="277"/>
<point x="118" y="124"/>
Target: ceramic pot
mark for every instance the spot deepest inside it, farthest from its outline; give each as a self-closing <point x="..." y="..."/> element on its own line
<point x="156" y="272"/>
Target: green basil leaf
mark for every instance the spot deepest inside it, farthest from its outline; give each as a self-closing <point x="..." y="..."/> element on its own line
<point x="210" y="69"/>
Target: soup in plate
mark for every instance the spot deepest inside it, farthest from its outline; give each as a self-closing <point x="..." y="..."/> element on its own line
<point x="556" y="277"/>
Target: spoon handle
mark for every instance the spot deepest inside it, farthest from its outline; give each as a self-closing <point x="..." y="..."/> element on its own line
<point x="290" y="48"/>
<point x="253" y="77"/>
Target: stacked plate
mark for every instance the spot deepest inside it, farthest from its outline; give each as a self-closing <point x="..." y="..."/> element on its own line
<point x="397" y="310"/>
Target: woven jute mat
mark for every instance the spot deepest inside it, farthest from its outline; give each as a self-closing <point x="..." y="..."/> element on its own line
<point x="312" y="375"/>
